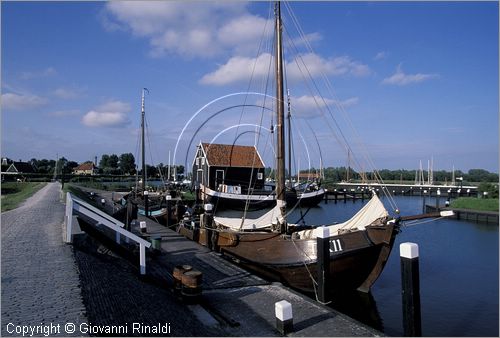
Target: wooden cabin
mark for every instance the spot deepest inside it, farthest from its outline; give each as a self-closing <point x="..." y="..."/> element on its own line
<point x="21" y="168"/>
<point x="86" y="168"/>
<point x="228" y="168"/>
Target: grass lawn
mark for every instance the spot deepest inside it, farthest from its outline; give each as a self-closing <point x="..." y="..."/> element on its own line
<point x="14" y="193"/>
<point x="482" y="204"/>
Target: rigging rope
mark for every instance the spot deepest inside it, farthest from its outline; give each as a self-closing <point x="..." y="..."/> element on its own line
<point x="339" y="107"/>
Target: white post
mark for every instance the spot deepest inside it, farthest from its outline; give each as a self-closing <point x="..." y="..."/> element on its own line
<point x="142" y="258"/>
<point x="69" y="218"/>
<point x="284" y="317"/>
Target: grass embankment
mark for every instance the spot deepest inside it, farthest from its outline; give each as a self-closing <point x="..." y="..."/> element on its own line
<point x="472" y="203"/>
<point x="14" y="193"/>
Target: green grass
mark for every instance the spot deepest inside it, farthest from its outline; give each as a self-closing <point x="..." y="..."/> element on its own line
<point x="14" y="193"/>
<point x="482" y="204"/>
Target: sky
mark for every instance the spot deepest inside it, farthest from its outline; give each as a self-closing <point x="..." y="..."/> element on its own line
<point x="387" y="84"/>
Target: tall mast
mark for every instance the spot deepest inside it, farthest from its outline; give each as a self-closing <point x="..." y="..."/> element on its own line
<point x="280" y="152"/>
<point x="289" y="127"/>
<point x="143" y="147"/>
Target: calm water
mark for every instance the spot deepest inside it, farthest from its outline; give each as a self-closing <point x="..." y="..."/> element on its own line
<point x="459" y="269"/>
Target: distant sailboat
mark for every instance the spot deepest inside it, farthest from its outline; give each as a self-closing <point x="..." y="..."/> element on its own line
<point x="151" y="204"/>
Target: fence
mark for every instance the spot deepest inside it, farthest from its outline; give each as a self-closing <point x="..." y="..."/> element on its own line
<point x="75" y="204"/>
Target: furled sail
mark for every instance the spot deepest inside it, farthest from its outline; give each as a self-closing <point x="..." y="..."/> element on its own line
<point x="231" y="221"/>
<point x="373" y="211"/>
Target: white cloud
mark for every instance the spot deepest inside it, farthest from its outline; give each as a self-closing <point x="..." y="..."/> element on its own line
<point x="308" y="39"/>
<point x="307" y="106"/>
<point x="380" y="55"/>
<point x="22" y="101"/>
<point x="201" y="29"/>
<point x="67" y="93"/>
<point x="49" y="71"/>
<point x="109" y="114"/>
<point x="240" y="68"/>
<point x="64" y="113"/>
<point x="314" y="65"/>
<point x="401" y="79"/>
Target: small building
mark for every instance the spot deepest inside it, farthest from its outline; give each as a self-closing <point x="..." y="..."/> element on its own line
<point x="223" y="166"/>
<point x="86" y="168"/>
<point x="21" y="168"/>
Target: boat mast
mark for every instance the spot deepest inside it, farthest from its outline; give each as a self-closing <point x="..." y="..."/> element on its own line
<point x="143" y="147"/>
<point x="289" y="127"/>
<point x="280" y="152"/>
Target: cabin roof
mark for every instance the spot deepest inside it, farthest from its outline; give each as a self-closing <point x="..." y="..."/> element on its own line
<point x="85" y="166"/>
<point x="21" y="167"/>
<point x="232" y="155"/>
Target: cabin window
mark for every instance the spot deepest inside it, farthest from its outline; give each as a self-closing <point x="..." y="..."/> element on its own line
<point x="202" y="161"/>
<point x="260" y="176"/>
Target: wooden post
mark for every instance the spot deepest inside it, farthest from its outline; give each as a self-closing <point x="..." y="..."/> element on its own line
<point x="146" y="203"/>
<point x="69" y="218"/>
<point x="143" y="226"/>
<point x="142" y="258"/>
<point x="284" y="317"/>
<point x="323" y="262"/>
<point x="410" y="282"/>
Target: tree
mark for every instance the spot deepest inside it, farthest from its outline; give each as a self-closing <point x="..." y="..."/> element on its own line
<point x="104" y="162"/>
<point x="113" y="161"/>
<point x="491" y="189"/>
<point x="127" y="164"/>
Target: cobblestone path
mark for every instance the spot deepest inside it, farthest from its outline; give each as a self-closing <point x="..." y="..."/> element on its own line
<point x="40" y="283"/>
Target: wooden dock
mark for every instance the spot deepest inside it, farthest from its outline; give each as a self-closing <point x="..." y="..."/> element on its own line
<point x="360" y="190"/>
<point x="233" y="299"/>
<point x="478" y="216"/>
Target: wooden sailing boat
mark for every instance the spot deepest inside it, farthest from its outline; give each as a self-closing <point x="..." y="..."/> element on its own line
<point x="359" y="248"/>
<point x="151" y="204"/>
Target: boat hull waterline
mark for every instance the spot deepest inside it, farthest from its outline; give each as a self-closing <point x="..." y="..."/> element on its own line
<point x="356" y="258"/>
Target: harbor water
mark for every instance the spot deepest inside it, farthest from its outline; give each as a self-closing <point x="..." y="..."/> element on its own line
<point x="459" y="273"/>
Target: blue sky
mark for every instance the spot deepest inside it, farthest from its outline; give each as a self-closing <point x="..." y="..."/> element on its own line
<point x="416" y="80"/>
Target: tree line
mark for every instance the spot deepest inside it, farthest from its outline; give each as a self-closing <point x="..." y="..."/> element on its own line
<point x="109" y="164"/>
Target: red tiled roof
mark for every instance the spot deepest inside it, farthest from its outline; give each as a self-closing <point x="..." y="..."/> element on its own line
<point x="85" y="166"/>
<point x="227" y="155"/>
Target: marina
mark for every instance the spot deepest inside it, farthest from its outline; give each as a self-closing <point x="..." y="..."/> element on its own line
<point x="381" y="309"/>
<point x="248" y="169"/>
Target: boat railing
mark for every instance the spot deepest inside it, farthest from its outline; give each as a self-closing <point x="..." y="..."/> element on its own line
<point x="75" y="204"/>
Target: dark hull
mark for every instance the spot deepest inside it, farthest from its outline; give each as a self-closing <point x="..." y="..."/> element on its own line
<point x="356" y="262"/>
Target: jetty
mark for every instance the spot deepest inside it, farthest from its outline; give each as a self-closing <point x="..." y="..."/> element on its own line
<point x="233" y="301"/>
<point x="362" y="190"/>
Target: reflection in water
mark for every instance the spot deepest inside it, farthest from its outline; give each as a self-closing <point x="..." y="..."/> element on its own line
<point x="360" y="306"/>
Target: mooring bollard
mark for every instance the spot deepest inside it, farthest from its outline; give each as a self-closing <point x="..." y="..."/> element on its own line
<point x="178" y="272"/>
<point x="323" y="262"/>
<point x="284" y="317"/>
<point x="191" y="286"/>
<point x="410" y="282"/>
<point x="142" y="225"/>
<point x="156" y="243"/>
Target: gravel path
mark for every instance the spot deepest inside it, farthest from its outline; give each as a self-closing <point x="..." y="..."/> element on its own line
<point x="40" y="283"/>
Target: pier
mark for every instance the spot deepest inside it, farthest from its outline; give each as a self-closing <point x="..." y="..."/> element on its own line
<point x="233" y="301"/>
<point x="362" y="190"/>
